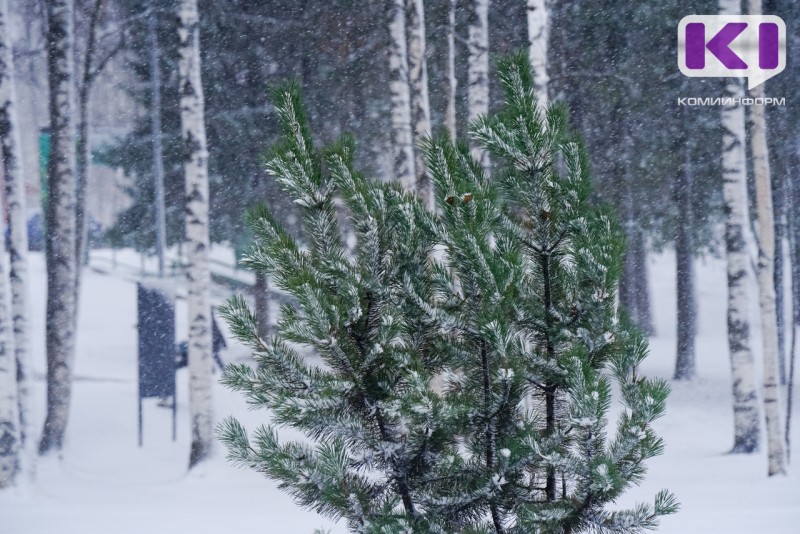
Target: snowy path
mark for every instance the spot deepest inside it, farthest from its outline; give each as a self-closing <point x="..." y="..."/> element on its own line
<point x="719" y="492"/>
<point x="106" y="484"/>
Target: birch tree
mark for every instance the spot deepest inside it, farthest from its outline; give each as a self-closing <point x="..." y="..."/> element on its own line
<point x="794" y="244"/>
<point x="779" y="271"/>
<point x="10" y="421"/>
<point x="452" y="84"/>
<point x="402" y="138"/>
<point x="766" y="253"/>
<point x="60" y="220"/>
<point x="420" y="103"/>
<point x="478" y="69"/>
<point x="14" y="183"/>
<point x="734" y="191"/>
<point x="193" y="133"/>
<point x="96" y="56"/>
<point x="538" y="36"/>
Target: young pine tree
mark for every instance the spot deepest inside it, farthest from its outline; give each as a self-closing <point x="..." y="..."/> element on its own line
<point x="455" y="374"/>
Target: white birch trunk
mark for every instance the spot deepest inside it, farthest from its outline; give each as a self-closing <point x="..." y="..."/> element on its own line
<point x="402" y="140"/>
<point x="538" y="38"/>
<point x="478" y="69"/>
<point x="9" y="415"/>
<point x="420" y="103"/>
<point x="14" y="176"/>
<point x="61" y="228"/>
<point x="766" y="254"/>
<point x="734" y="168"/>
<point x="193" y="133"/>
<point x="450" y="113"/>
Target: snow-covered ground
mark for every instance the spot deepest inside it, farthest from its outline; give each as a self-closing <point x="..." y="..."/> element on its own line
<point x="105" y="483"/>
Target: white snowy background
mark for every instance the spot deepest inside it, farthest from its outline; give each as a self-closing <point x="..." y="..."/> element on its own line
<point x="105" y="483"/>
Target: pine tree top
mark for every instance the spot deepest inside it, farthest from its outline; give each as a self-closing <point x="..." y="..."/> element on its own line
<point x="452" y="372"/>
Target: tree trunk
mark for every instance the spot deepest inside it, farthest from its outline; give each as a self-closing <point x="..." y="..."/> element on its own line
<point x="778" y="192"/>
<point x="9" y="417"/>
<point x="628" y="280"/>
<point x="193" y="133"/>
<point x="789" y="393"/>
<point x="12" y="409"/>
<point x="14" y="182"/>
<point x="766" y="283"/>
<point x="420" y="103"/>
<point x="402" y="147"/>
<point x="644" y="318"/>
<point x="84" y="146"/>
<point x="794" y="239"/>
<point x="633" y="285"/>
<point x="81" y="177"/>
<point x="746" y="432"/>
<point x="793" y="225"/>
<point x="627" y="285"/>
<point x="478" y="69"/>
<point x="60" y="221"/>
<point x="261" y="290"/>
<point x="450" y="114"/>
<point x="538" y="37"/>
<point x="685" y="366"/>
<point x="155" y="132"/>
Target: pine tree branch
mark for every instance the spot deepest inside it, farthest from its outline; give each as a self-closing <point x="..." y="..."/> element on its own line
<point x="536" y="383"/>
<point x="552" y="248"/>
<point x="531" y="246"/>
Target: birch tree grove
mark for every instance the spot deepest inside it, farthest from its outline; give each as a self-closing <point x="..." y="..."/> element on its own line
<point x="478" y="69"/>
<point x="420" y="103"/>
<point x="402" y="138"/>
<point x="14" y="178"/>
<point x="538" y="36"/>
<point x="193" y="133"/>
<point x="9" y="417"/>
<point x="734" y="191"/>
<point x="60" y="220"/>
<point x="766" y="254"/>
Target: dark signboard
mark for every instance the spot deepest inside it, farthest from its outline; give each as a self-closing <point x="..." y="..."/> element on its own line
<point x="156" y="328"/>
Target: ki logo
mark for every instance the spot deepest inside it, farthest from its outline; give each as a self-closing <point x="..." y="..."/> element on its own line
<point x="732" y="46"/>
